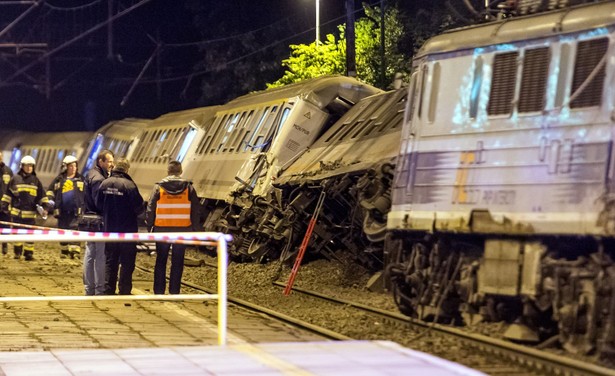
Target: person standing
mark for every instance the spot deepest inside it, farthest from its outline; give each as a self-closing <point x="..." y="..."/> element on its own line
<point x="5" y="177"/>
<point x="67" y="191"/>
<point x="24" y="193"/>
<point x="94" y="260"/>
<point x="121" y="203"/>
<point x="172" y="207"/>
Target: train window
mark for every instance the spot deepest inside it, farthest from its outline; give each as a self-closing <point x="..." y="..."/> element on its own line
<point x="375" y="110"/>
<point x="395" y="114"/>
<point x="220" y="132"/>
<point x="155" y="154"/>
<point x="534" y="79"/>
<point x="589" y="73"/>
<point x="164" y="151"/>
<point x="207" y="136"/>
<point x="185" y="144"/>
<point x="425" y="72"/>
<point x="242" y="132"/>
<point x="140" y="154"/>
<point x="433" y="96"/>
<point x="259" y="125"/>
<point x="503" y="83"/>
<point x="477" y="81"/>
<point x="564" y="61"/>
<point x="151" y="146"/>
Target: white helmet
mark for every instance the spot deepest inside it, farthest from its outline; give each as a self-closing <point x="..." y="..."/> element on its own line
<point x="69" y="159"/>
<point x="28" y="160"/>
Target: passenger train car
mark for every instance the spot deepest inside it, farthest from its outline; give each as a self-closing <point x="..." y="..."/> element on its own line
<point x="48" y="149"/>
<point x="251" y="140"/>
<point x="503" y="203"/>
<point x="162" y="140"/>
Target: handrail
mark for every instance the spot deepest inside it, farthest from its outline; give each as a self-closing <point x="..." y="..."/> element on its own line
<point x="220" y="240"/>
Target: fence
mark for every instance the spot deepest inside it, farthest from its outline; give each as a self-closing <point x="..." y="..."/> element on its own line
<point x="191" y="238"/>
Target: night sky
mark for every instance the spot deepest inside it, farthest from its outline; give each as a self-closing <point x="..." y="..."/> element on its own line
<point x="88" y="81"/>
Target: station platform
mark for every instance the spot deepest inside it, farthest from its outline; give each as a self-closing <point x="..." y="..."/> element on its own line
<point x="354" y="358"/>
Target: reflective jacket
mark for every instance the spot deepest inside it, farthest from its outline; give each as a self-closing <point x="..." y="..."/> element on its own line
<point x="24" y="192"/>
<point x="173" y="206"/>
<point x="64" y="188"/>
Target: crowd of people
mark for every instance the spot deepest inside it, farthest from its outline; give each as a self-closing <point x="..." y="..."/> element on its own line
<point x="103" y="199"/>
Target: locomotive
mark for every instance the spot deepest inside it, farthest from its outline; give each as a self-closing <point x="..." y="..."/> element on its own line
<point x="503" y="201"/>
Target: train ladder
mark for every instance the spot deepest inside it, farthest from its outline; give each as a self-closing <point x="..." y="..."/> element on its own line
<point x="304" y="244"/>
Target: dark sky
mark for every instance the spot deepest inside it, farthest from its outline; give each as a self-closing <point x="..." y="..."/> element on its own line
<point x="48" y="83"/>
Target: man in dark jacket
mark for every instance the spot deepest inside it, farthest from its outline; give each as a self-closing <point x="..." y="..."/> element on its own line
<point x="25" y="192"/>
<point x="94" y="260"/>
<point x="67" y="191"/>
<point x="173" y="207"/>
<point x="5" y="176"/>
<point x="121" y="203"/>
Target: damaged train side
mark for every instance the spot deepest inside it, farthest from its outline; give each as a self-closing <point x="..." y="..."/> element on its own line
<point x="503" y="204"/>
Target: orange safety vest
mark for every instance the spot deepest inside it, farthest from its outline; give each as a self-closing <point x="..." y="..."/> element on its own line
<point x="173" y="210"/>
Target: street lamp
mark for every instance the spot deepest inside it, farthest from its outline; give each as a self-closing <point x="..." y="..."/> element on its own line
<point x="317" y="22"/>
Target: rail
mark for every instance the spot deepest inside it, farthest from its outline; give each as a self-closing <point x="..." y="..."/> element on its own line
<point x="192" y="238"/>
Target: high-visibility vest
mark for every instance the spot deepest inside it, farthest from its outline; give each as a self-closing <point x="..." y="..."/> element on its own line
<point x="173" y="210"/>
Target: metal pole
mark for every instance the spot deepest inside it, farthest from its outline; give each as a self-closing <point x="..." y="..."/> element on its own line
<point x="318" y="22"/>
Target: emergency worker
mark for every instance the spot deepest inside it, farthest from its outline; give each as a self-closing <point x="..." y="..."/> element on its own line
<point x="173" y="207"/>
<point x="5" y="177"/>
<point x="94" y="260"/>
<point x="120" y="202"/>
<point x="25" y="192"/>
<point x="67" y="190"/>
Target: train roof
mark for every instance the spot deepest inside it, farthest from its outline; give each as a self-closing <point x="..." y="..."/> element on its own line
<point x="319" y="91"/>
<point x="562" y="21"/>
<point x="125" y="128"/>
<point x="56" y="138"/>
<point x="198" y="115"/>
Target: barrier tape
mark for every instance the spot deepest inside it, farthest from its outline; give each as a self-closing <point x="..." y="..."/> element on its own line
<point x="48" y="234"/>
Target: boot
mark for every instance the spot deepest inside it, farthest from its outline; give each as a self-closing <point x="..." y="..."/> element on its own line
<point x="75" y="252"/>
<point x="28" y="255"/>
<point x="5" y="248"/>
<point x="17" y="250"/>
<point x="64" y="254"/>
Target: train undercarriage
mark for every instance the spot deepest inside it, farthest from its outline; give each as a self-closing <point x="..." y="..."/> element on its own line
<point x="546" y="289"/>
<point x="351" y="217"/>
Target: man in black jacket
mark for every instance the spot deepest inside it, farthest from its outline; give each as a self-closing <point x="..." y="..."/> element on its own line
<point x="5" y="176"/>
<point x="94" y="260"/>
<point x="121" y="203"/>
<point x="173" y="207"/>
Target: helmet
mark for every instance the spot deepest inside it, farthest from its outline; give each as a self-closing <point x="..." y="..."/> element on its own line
<point x="28" y="160"/>
<point x="69" y="159"/>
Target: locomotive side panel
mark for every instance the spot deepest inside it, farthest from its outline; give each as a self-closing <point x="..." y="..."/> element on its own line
<point x="535" y="165"/>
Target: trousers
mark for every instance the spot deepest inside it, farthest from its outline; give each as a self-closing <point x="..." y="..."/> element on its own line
<point x="94" y="268"/>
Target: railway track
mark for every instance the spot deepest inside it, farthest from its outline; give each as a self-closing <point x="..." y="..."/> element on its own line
<point x="490" y="355"/>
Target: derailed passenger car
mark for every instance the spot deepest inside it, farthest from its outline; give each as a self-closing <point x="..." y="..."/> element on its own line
<point x="251" y="141"/>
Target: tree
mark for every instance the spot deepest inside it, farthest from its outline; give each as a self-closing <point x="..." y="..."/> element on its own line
<point x="309" y="61"/>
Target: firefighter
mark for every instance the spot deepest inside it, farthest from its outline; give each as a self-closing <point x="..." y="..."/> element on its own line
<point x="5" y="177"/>
<point x="67" y="190"/>
<point x="173" y="207"/>
<point x="25" y="192"/>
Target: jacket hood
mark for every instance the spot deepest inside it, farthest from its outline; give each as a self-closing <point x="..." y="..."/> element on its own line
<point x="174" y="184"/>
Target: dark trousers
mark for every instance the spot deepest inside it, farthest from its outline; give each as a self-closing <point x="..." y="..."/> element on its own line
<point x="120" y="257"/>
<point x="177" y="267"/>
<point x="67" y="221"/>
<point x="26" y="247"/>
